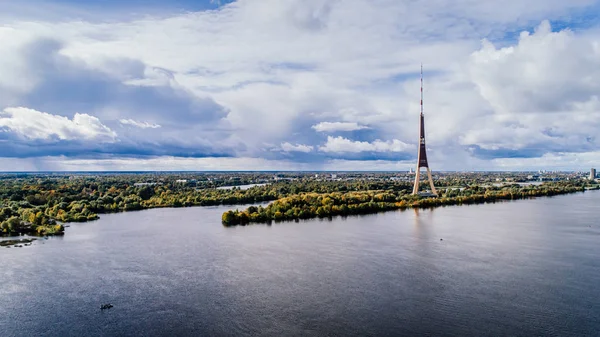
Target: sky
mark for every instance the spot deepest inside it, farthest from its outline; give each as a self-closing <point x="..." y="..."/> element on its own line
<point x="298" y="84"/>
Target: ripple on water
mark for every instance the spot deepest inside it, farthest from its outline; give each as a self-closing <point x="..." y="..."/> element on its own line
<point x="516" y="268"/>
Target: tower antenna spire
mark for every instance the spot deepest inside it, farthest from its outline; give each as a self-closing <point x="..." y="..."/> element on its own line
<point x="421" y="88"/>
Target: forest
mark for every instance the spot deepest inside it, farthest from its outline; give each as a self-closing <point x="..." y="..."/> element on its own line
<point x="39" y="204"/>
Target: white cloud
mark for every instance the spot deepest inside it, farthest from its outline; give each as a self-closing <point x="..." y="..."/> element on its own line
<point x="162" y="163"/>
<point x="341" y="144"/>
<point x="556" y="161"/>
<point x="544" y="72"/>
<point x="542" y="93"/>
<point x="153" y="77"/>
<point x="141" y="125"/>
<point x="276" y="66"/>
<point x="35" y="125"/>
<point x="338" y="126"/>
<point x="287" y="147"/>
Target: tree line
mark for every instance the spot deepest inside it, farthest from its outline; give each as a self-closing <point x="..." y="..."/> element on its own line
<point x="313" y="205"/>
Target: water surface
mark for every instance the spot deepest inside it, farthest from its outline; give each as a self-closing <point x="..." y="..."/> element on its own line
<point x="241" y="187"/>
<point x="523" y="268"/>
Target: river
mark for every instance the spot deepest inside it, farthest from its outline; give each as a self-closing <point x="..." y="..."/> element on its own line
<point x="241" y="187"/>
<point x="523" y="268"/>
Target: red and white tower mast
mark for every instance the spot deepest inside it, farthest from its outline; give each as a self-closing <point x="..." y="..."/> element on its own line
<point x="422" y="154"/>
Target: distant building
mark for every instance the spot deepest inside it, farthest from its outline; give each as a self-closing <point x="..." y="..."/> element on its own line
<point x="181" y="181"/>
<point x="592" y="174"/>
<point x="333" y="176"/>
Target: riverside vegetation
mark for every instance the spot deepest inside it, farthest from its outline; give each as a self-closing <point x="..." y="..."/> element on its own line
<point x="35" y="204"/>
<point x="38" y="204"/>
<point x="312" y="205"/>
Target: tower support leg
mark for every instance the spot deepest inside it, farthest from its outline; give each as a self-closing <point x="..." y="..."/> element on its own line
<point x="431" y="182"/>
<point x="417" y="178"/>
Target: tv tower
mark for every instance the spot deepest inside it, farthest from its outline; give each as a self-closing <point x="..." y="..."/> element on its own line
<point x="422" y="154"/>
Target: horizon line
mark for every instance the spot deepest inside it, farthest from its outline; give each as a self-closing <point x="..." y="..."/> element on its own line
<point x="293" y="171"/>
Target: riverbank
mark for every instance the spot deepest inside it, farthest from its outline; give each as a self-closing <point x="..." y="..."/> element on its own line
<point x="315" y="205"/>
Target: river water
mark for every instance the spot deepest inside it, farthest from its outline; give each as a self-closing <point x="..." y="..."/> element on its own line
<point x="524" y="268"/>
<point x="241" y="187"/>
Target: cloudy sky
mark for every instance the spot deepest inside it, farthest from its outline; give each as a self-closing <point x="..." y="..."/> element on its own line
<point x="298" y="84"/>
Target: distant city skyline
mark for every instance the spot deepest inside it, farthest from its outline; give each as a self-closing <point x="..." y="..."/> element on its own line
<point x="298" y="85"/>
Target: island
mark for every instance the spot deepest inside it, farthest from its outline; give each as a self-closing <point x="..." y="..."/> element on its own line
<point x="313" y="205"/>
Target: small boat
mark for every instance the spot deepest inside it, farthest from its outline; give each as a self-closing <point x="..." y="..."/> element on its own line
<point x="106" y="306"/>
